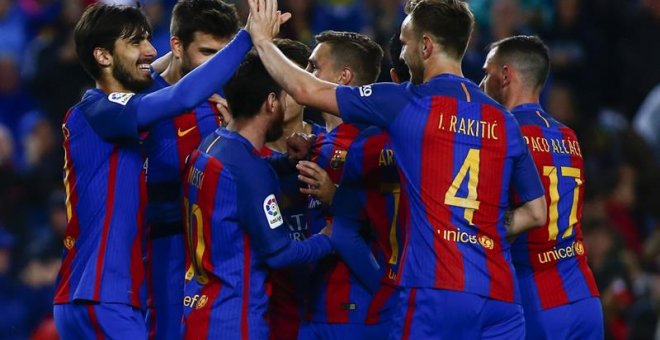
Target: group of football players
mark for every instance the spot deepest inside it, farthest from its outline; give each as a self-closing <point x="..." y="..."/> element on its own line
<point x="426" y="207"/>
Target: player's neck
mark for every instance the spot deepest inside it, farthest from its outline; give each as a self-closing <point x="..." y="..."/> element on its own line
<point x="441" y="65"/>
<point x="289" y="128"/>
<point x="172" y="73"/>
<point x="520" y="97"/>
<point x="110" y="84"/>
<point x="253" y="130"/>
<point x="331" y="122"/>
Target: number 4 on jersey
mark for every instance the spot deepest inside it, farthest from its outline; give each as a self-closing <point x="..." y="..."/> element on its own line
<point x="470" y="168"/>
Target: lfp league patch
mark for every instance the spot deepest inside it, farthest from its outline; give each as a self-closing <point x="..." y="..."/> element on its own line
<point x="272" y="212"/>
<point x="120" y="98"/>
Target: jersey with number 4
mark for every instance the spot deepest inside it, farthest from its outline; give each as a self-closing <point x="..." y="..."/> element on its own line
<point x="551" y="261"/>
<point x="460" y="153"/>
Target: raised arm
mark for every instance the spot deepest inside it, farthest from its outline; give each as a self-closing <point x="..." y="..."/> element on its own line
<point x="264" y="24"/>
<point x="196" y="86"/>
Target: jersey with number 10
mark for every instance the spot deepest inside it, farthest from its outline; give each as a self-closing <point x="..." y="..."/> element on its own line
<point x="551" y="261"/>
<point x="460" y="153"/>
<point x="232" y="222"/>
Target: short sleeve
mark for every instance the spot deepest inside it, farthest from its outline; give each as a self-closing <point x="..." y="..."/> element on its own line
<point x="115" y="116"/>
<point x="526" y="181"/>
<point x="376" y="104"/>
<point x="258" y="208"/>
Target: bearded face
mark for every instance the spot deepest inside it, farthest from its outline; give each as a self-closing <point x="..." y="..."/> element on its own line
<point x="132" y="62"/>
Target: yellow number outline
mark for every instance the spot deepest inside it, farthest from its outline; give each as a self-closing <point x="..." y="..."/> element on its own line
<point x="470" y="167"/>
<point x="553" y="209"/>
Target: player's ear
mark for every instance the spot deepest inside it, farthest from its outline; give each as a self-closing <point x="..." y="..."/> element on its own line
<point x="346" y="76"/>
<point x="394" y="76"/>
<point x="271" y="102"/>
<point x="176" y="45"/>
<point x="102" y="56"/>
<point x="427" y="46"/>
<point x="506" y="75"/>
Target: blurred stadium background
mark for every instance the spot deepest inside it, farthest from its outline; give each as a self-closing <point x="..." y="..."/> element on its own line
<point x="605" y="83"/>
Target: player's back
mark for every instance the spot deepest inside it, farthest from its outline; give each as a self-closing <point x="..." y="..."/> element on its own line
<point x="459" y="187"/>
<point x="369" y="199"/>
<point x="105" y="190"/>
<point x="227" y="294"/>
<point x="551" y="261"/>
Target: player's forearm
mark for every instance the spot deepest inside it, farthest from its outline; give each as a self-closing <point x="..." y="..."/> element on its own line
<point x="300" y="84"/>
<point x="355" y="252"/>
<point x="160" y="64"/>
<point x="530" y="215"/>
<point x="196" y="86"/>
<point x="297" y="253"/>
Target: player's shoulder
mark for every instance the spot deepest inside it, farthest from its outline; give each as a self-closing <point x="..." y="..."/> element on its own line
<point x="534" y="116"/>
<point x="371" y="133"/>
<point x="95" y="101"/>
<point x="392" y="92"/>
<point x="316" y="129"/>
<point x="237" y="155"/>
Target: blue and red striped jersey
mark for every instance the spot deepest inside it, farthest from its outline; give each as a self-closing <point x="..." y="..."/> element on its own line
<point x="106" y="196"/>
<point x="288" y="285"/>
<point x="233" y="223"/>
<point x="460" y="153"/>
<point x="551" y="261"/>
<point x="329" y="152"/>
<point x="368" y="202"/>
<point x="329" y="275"/>
<point x="167" y="147"/>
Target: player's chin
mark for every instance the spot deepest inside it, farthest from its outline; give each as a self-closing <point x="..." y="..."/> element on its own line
<point x="139" y="84"/>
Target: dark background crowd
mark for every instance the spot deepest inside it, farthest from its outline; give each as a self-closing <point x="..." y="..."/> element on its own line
<point x="604" y="83"/>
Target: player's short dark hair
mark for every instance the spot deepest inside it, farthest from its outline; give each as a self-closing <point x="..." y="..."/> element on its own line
<point x="449" y="22"/>
<point x="528" y="54"/>
<point x="294" y="50"/>
<point x="251" y="84"/>
<point x="100" y="26"/>
<point x="357" y="51"/>
<point x="394" y="49"/>
<point x="247" y="90"/>
<point x="213" y="17"/>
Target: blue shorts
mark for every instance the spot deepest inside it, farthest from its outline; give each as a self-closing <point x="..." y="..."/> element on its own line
<point x="427" y="313"/>
<point x="164" y="322"/>
<point x="343" y="331"/>
<point x="578" y="320"/>
<point x="99" y="321"/>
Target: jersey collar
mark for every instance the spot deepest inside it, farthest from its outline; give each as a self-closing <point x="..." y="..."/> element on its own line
<point x="528" y="107"/>
<point x="228" y="134"/>
<point x="451" y="77"/>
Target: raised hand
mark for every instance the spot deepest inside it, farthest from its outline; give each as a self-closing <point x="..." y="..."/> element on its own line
<point x="264" y="20"/>
<point x="223" y="108"/>
<point x="318" y="182"/>
<point x="299" y="146"/>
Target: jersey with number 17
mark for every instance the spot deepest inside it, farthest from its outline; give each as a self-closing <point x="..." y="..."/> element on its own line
<point x="461" y="153"/>
<point x="551" y="261"/>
